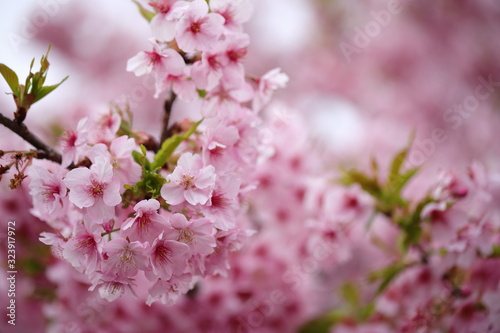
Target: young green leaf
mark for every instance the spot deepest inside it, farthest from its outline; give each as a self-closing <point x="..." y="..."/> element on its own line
<point x="11" y="77"/>
<point x="169" y="145"/>
<point x="44" y="91"/>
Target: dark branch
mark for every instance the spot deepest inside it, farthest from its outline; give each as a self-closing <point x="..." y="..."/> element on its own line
<point x="20" y="129"/>
<point x="166" y="132"/>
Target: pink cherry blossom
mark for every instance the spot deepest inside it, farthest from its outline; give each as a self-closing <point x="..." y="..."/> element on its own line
<point x="94" y="190"/>
<point x="147" y="224"/>
<point x="123" y="258"/>
<point x="235" y="48"/>
<point x="167" y="292"/>
<point x="162" y="62"/>
<point x="197" y="29"/>
<point x="268" y="84"/>
<point x="163" y="24"/>
<point x="104" y="127"/>
<point x="190" y="181"/>
<point x="83" y="249"/>
<point x="225" y="100"/>
<point x="74" y="143"/>
<point x="48" y="191"/>
<point x="235" y="12"/>
<point x="112" y="289"/>
<point x="207" y="72"/>
<point x="168" y="257"/>
<point x="181" y="85"/>
<point x="197" y="233"/>
<point x="125" y="169"/>
<point x="224" y="205"/>
<point x="218" y="145"/>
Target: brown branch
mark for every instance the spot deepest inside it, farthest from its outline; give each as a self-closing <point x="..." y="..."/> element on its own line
<point x="44" y="151"/>
<point x="166" y="132"/>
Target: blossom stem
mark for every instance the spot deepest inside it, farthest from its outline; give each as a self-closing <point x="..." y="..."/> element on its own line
<point x="43" y="151"/>
<point x="109" y="233"/>
<point x="166" y="132"/>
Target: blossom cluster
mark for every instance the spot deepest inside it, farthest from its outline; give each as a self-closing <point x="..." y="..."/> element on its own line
<point x="168" y="215"/>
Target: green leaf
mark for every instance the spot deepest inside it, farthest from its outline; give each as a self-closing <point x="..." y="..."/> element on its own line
<point x="387" y="275"/>
<point x="401" y="180"/>
<point x="141" y="159"/>
<point x="44" y="91"/>
<point x="368" y="184"/>
<point x="202" y="93"/>
<point x="495" y="251"/>
<point x="151" y="183"/>
<point x="11" y="77"/>
<point x="411" y="235"/>
<point x="169" y="145"/>
<point x="366" y="312"/>
<point x="145" y="13"/>
<point x="396" y="164"/>
<point x="350" y="294"/>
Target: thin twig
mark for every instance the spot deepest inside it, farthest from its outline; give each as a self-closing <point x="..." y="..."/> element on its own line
<point x="165" y="132"/>
<point x="20" y="129"/>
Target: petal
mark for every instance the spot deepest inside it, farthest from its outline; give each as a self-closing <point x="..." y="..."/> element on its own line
<point x="172" y="195"/>
<point x="112" y="195"/>
<point x="140" y="64"/>
<point x="173" y="62"/>
<point x="197" y="196"/>
<point x="102" y="169"/>
<point x="206" y="177"/>
<point x="80" y="197"/>
<point x="162" y="28"/>
<point x="77" y="177"/>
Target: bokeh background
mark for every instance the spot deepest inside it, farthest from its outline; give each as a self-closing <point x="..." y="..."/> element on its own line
<point x="364" y="75"/>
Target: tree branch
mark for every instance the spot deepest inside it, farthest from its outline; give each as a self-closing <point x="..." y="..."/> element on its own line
<point x="165" y="132"/>
<point x="44" y="151"/>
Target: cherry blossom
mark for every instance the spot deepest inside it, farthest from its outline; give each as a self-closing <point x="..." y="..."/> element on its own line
<point x="197" y="29"/>
<point x="119" y="154"/>
<point x="197" y="233"/>
<point x="167" y="292"/>
<point x="147" y="224"/>
<point x="123" y="258"/>
<point x="168" y="257"/>
<point x="74" y="143"/>
<point x="235" y="12"/>
<point x="162" y="62"/>
<point x="83" y="250"/>
<point x="190" y="181"/>
<point x="164" y="22"/>
<point x="48" y="191"/>
<point x="94" y="190"/>
<point x="268" y="84"/>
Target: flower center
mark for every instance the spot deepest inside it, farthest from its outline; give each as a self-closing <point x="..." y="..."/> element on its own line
<point x="219" y="201"/>
<point x="163" y="255"/>
<point x="195" y="27"/>
<point x="49" y="191"/>
<point x="86" y="243"/>
<point x="96" y="189"/>
<point x="186" y="236"/>
<point x="187" y="182"/>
